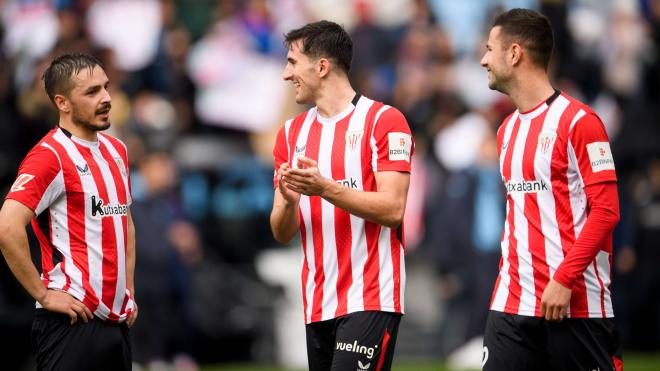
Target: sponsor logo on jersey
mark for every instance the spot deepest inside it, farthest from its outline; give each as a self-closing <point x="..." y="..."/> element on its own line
<point x="546" y="140"/>
<point x="349" y="182"/>
<point x="300" y="149"/>
<point x="526" y="186"/>
<point x="100" y="210"/>
<point x="357" y="348"/>
<point x="600" y="156"/>
<point x="20" y="182"/>
<point x="83" y="170"/>
<point x="400" y="145"/>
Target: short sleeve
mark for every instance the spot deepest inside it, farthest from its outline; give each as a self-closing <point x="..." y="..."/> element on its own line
<point x="39" y="181"/>
<point x="592" y="150"/>
<point x="280" y="152"/>
<point x="393" y="142"/>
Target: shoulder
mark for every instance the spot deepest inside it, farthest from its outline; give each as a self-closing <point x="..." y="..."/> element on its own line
<point x="118" y="144"/>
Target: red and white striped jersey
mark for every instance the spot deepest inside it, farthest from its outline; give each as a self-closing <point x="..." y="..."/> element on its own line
<point x="349" y="264"/>
<point x="547" y="156"/>
<point x="80" y="194"/>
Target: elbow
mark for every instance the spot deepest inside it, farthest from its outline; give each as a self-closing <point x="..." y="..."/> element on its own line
<point x="395" y="219"/>
<point x="281" y="237"/>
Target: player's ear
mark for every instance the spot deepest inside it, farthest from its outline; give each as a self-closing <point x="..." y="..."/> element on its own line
<point x="62" y="103"/>
<point x="323" y="67"/>
<point x="515" y="53"/>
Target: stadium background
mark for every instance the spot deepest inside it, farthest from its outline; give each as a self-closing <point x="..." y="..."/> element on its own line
<point x="198" y="96"/>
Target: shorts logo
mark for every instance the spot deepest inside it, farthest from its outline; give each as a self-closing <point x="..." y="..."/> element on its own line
<point x="484" y="359"/>
<point x="400" y="145"/>
<point x="546" y="140"/>
<point x="362" y="367"/>
<point x="21" y="181"/>
<point x="357" y="348"/>
<point x="353" y="138"/>
<point x="600" y="156"/>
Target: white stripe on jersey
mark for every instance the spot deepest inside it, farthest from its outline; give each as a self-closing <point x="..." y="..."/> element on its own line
<point x="72" y="270"/>
<point x="546" y="200"/>
<point x="593" y="291"/>
<point x="372" y="140"/>
<point x="330" y="267"/>
<point x="525" y="268"/>
<point x="353" y="169"/>
<point x="306" y="212"/>
<point x="603" y="264"/>
<point x="499" y="301"/>
<point x="386" y="271"/>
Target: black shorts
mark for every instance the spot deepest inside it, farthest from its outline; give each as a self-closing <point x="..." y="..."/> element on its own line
<point x="515" y="342"/>
<point x="358" y="341"/>
<point x="96" y="345"/>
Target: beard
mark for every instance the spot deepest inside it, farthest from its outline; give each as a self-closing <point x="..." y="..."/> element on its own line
<point x="87" y="122"/>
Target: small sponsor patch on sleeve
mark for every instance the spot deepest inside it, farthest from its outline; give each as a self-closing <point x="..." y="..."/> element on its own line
<point x="600" y="156"/>
<point x="400" y="145"/>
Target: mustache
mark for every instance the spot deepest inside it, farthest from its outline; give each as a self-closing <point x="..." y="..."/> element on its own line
<point x="104" y="108"/>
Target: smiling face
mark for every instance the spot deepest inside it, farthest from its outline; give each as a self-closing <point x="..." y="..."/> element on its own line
<point x="495" y="62"/>
<point x="90" y="100"/>
<point x="302" y="72"/>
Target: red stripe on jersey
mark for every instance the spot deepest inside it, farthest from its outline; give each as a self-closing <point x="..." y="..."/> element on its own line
<point x="119" y="185"/>
<point x="371" y="286"/>
<point x="108" y="237"/>
<point x="305" y="267"/>
<point x="46" y="246"/>
<point x="75" y="201"/>
<point x="515" y="290"/>
<point x="536" y="240"/>
<point x="312" y="152"/>
<point x="343" y="233"/>
<point x="396" y="247"/>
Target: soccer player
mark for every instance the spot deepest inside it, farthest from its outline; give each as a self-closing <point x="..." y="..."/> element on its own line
<point x="73" y="186"/>
<point x="342" y="171"/>
<point x="551" y="307"/>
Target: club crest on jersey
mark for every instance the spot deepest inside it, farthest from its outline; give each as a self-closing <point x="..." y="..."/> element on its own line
<point x="353" y="138"/>
<point x="546" y="141"/>
<point x="121" y="166"/>
<point x="100" y="210"/>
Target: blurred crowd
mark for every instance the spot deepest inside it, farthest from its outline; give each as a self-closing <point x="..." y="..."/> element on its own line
<point x="197" y="96"/>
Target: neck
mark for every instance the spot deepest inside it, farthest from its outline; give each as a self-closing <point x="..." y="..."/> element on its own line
<point x="334" y="96"/>
<point x="529" y="92"/>
<point x="78" y="131"/>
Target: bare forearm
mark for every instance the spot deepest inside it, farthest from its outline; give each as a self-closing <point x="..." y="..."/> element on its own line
<point x="284" y="221"/>
<point x="385" y="208"/>
<point x="16" y="251"/>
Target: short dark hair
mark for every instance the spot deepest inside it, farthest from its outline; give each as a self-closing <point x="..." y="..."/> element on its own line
<point x="530" y="29"/>
<point x="58" y="76"/>
<point x="324" y="39"/>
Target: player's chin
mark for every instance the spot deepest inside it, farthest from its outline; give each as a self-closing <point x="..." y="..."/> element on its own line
<point x="102" y="124"/>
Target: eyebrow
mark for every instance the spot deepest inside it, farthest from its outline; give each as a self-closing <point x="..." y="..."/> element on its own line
<point x="95" y="88"/>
